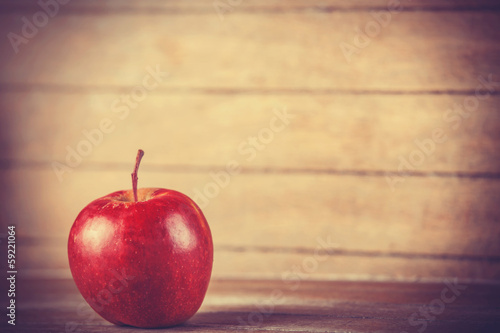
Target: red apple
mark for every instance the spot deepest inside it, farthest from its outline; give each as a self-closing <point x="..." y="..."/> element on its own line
<point x="142" y="257"/>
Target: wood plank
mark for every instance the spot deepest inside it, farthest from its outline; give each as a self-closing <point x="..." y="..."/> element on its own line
<point x="314" y="307"/>
<point x="49" y="260"/>
<point x="117" y="5"/>
<point x="424" y="215"/>
<point x="293" y="50"/>
<point x="364" y="134"/>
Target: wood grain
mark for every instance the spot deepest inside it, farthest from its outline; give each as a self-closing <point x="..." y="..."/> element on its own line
<point x="414" y="218"/>
<point x="323" y="134"/>
<point x="409" y="232"/>
<point x="47" y="259"/>
<point x="268" y="52"/>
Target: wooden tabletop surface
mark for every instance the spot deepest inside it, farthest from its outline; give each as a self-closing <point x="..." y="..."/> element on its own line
<point x="279" y="306"/>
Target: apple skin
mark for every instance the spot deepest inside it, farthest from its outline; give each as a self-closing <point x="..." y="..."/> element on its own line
<point x="146" y="263"/>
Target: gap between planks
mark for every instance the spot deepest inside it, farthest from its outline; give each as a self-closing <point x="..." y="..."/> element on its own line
<point x="104" y="89"/>
<point x="7" y="164"/>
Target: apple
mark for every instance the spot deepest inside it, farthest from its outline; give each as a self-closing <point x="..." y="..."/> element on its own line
<point x="142" y="257"/>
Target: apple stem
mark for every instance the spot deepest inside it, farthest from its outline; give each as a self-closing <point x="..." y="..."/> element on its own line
<point x="140" y="154"/>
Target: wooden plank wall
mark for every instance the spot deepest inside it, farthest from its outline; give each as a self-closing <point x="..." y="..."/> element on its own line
<point x="387" y="165"/>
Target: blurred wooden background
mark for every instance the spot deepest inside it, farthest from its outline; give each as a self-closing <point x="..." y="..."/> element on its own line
<point x="319" y="183"/>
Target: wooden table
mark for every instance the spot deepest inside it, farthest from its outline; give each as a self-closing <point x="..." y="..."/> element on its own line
<point x="276" y="306"/>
